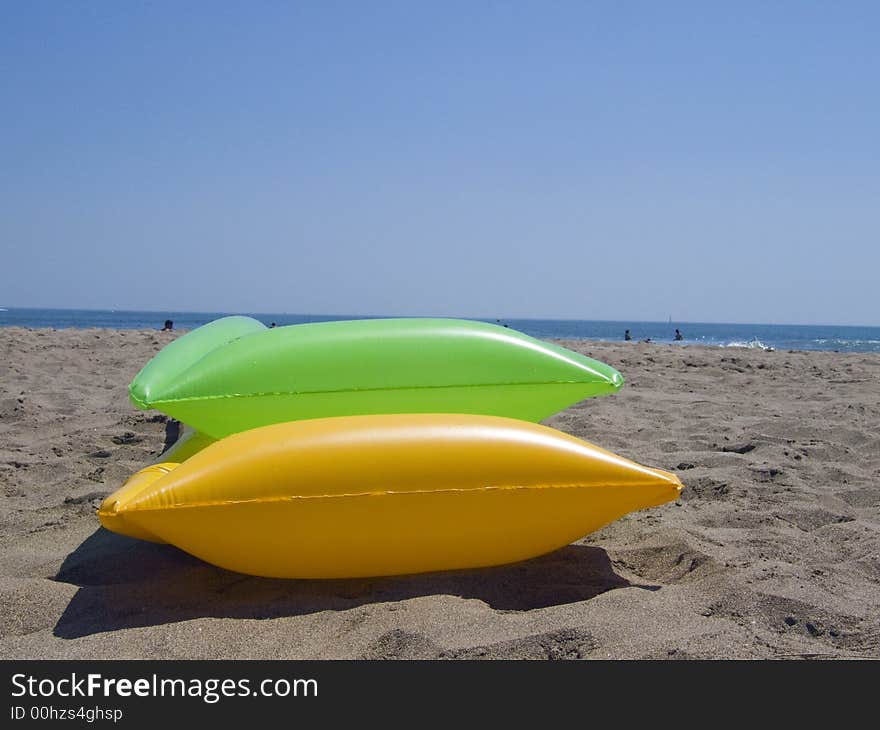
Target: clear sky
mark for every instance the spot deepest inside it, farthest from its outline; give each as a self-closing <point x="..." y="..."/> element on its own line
<point x="585" y="160"/>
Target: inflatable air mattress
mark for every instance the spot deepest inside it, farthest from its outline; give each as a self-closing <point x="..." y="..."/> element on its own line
<point x="383" y="495"/>
<point x="235" y="374"/>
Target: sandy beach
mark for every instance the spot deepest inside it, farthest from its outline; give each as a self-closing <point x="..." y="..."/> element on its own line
<point x="773" y="550"/>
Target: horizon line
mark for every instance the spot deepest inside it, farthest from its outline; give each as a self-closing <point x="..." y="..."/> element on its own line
<point x="434" y="316"/>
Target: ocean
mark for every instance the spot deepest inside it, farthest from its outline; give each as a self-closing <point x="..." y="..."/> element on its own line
<point x="837" y="338"/>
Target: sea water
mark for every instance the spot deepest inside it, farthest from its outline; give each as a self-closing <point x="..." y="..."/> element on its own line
<point x="838" y="338"/>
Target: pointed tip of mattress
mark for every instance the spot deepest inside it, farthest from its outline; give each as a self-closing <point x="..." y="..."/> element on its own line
<point x="111" y="513"/>
<point x="178" y="356"/>
<point x="138" y="393"/>
<point x="675" y="485"/>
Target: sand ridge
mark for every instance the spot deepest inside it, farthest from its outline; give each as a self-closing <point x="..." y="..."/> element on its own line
<point x="773" y="550"/>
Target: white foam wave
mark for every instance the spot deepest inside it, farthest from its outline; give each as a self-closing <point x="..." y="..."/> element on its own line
<point x="838" y="341"/>
<point x="754" y="344"/>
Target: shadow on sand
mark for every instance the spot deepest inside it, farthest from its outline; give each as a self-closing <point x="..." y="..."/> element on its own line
<point x="127" y="583"/>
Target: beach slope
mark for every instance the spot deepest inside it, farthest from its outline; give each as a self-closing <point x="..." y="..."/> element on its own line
<point x="773" y="550"/>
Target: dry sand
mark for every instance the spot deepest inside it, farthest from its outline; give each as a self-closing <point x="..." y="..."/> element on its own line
<point x="773" y="550"/>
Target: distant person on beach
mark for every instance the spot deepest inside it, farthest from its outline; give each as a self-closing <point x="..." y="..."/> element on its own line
<point x="647" y="339"/>
<point x="627" y="336"/>
<point x="678" y="336"/>
<point x="271" y="325"/>
<point x="169" y="325"/>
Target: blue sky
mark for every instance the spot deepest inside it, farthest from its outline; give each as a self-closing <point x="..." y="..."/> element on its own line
<point x="586" y="160"/>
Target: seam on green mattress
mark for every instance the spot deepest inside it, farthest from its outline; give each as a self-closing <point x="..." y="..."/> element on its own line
<point x="368" y="390"/>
